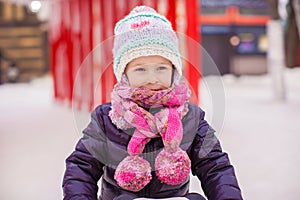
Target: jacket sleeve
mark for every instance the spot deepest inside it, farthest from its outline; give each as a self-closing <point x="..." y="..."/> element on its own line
<point x="212" y="166"/>
<point x="84" y="165"/>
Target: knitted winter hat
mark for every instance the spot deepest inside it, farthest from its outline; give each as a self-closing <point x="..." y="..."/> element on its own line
<point x="144" y="33"/>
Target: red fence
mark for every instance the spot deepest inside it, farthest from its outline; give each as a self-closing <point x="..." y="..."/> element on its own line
<point x="76" y="29"/>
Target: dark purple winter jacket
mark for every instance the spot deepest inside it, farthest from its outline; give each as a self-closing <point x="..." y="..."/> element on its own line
<point x="103" y="146"/>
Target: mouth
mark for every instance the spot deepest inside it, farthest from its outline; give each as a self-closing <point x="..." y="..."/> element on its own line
<point x="155" y="89"/>
<point x="152" y="89"/>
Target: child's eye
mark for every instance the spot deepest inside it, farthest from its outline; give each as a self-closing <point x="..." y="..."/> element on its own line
<point x="140" y="69"/>
<point x="162" y="67"/>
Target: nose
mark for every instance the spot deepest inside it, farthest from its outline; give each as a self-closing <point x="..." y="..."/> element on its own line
<point x="151" y="78"/>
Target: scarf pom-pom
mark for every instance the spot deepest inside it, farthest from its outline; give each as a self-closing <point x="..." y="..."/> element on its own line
<point x="172" y="168"/>
<point x="133" y="173"/>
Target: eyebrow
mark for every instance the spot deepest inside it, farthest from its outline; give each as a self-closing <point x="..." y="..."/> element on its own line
<point x="143" y="64"/>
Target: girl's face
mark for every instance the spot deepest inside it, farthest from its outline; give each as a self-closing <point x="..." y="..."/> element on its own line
<point x="152" y="72"/>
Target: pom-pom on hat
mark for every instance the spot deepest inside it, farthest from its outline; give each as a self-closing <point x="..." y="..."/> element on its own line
<point x="144" y="32"/>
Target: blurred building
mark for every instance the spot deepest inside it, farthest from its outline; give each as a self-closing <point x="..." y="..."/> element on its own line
<point x="23" y="43"/>
<point x="234" y="35"/>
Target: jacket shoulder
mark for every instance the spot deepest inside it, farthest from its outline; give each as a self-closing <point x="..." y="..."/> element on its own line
<point x="111" y="131"/>
<point x="195" y="113"/>
<point x="191" y="123"/>
<point x="103" y="109"/>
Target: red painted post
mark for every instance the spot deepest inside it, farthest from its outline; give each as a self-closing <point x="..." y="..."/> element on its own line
<point x="105" y="12"/>
<point x="171" y="13"/>
<point x="75" y="52"/>
<point x="193" y="71"/>
<point x="64" y="65"/>
<point x="86" y="46"/>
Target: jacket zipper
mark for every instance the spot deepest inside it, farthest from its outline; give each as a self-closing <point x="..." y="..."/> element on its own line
<point x="150" y="157"/>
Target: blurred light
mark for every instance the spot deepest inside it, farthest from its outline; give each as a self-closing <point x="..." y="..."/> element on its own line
<point x="35" y="6"/>
<point x="235" y="40"/>
<point x="263" y="43"/>
<point x="247" y="43"/>
<point x="247" y="37"/>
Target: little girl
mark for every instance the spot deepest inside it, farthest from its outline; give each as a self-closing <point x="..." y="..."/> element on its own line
<point x="145" y="143"/>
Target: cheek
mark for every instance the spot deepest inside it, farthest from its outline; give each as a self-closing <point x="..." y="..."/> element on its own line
<point x="166" y="79"/>
<point x="134" y="81"/>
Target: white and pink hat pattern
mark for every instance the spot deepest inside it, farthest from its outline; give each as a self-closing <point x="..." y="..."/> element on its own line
<point x="144" y="32"/>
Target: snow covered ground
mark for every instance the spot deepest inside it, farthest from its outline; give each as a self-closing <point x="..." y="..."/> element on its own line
<point x="260" y="133"/>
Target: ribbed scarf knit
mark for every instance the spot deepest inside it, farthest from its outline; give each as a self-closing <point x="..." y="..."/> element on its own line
<point x="130" y="108"/>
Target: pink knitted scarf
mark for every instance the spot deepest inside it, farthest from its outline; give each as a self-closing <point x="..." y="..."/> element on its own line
<point x="130" y="109"/>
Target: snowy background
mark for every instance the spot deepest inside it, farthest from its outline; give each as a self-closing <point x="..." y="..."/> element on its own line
<point x="260" y="133"/>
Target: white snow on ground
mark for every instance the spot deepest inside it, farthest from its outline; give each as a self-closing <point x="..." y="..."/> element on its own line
<point x="260" y="134"/>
